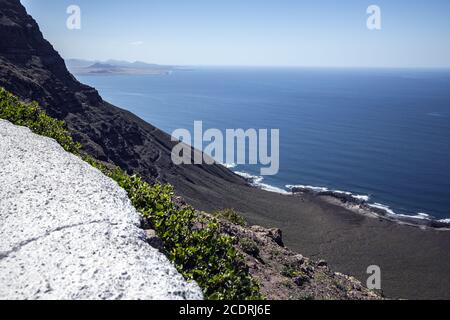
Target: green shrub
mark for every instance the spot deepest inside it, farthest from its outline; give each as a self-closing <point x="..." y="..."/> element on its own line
<point x="290" y="271"/>
<point x="230" y="215"/>
<point x="193" y="242"/>
<point x="31" y="116"/>
<point x="249" y="246"/>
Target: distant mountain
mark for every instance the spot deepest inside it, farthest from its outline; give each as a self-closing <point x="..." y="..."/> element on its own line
<point x="119" y="67"/>
<point x="78" y="63"/>
<point x="103" y="66"/>
<point x="136" y="64"/>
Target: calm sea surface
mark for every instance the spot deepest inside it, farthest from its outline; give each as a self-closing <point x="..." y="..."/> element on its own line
<point x="385" y="133"/>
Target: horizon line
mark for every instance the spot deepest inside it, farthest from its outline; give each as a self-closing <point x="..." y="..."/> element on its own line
<point x="267" y="66"/>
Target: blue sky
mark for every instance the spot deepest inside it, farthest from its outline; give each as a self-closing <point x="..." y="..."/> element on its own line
<point x="312" y="33"/>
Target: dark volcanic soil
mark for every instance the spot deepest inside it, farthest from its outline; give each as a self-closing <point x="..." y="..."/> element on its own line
<point x="414" y="263"/>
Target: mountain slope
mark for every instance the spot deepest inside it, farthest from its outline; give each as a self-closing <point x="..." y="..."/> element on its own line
<point x="415" y="263"/>
<point x="33" y="70"/>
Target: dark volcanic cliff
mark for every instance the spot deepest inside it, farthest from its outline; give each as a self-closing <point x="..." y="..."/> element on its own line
<point x="31" y="69"/>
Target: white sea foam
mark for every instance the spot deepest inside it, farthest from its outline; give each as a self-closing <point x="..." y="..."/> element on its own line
<point x="270" y="188"/>
<point x="424" y="215"/>
<point x="383" y="207"/>
<point x="246" y="175"/>
<point x="315" y="189"/>
<point x="229" y="165"/>
<point x="359" y="197"/>
<point x="417" y="216"/>
<point x="388" y="210"/>
<point x="256" y="181"/>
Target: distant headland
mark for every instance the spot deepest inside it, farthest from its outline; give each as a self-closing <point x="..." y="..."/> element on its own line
<point x="115" y="67"/>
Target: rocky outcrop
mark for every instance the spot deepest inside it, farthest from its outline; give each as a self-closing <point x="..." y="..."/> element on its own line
<point x="285" y="275"/>
<point x="69" y="232"/>
<point x="31" y="69"/>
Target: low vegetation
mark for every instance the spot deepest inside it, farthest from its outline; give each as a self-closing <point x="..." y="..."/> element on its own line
<point x="192" y="241"/>
<point x="249" y="247"/>
<point x="230" y="215"/>
<point x="31" y="116"/>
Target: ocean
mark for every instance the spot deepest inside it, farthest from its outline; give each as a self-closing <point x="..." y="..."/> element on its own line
<point x="380" y="134"/>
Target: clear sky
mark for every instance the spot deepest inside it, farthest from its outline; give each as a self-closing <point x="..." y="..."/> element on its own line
<point x="313" y="33"/>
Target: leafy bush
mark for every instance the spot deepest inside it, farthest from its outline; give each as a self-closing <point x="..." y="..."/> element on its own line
<point x="230" y="215"/>
<point x="290" y="271"/>
<point x="193" y="242"/>
<point x="31" y="116"/>
<point x="249" y="246"/>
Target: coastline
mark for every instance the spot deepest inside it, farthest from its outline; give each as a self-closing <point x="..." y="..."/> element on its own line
<point x="414" y="262"/>
<point x="383" y="213"/>
<point x="359" y="204"/>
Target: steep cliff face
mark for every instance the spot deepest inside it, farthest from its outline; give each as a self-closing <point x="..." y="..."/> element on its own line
<point x="31" y="69"/>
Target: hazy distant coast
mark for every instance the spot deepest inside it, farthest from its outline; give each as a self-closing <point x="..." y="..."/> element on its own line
<point x="115" y="67"/>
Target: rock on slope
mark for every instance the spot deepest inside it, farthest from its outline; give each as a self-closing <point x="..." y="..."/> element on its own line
<point x="285" y="275"/>
<point x="69" y="232"/>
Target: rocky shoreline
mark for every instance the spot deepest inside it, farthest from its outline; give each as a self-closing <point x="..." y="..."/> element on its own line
<point x="361" y="205"/>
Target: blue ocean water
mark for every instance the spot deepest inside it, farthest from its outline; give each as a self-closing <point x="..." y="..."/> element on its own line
<point x="382" y="133"/>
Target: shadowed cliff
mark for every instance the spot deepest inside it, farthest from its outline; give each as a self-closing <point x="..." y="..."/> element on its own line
<point x="34" y="71"/>
<point x="415" y="263"/>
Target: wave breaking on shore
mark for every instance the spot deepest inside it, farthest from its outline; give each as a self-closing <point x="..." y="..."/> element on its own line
<point x="354" y="202"/>
<point x="361" y="204"/>
<point x="257" y="181"/>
